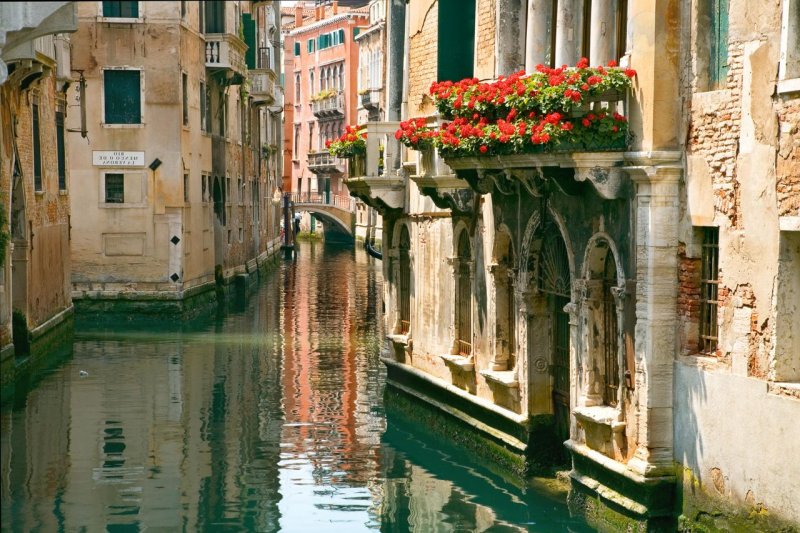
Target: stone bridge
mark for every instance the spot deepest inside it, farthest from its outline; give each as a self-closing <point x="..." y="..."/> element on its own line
<point x="337" y="213"/>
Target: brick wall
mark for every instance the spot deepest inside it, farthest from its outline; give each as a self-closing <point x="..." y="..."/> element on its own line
<point x="689" y="271"/>
<point x="787" y="169"/>
<point x="487" y="21"/>
<point x="423" y="49"/>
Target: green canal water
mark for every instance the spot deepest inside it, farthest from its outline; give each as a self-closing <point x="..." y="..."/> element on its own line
<point x="267" y="417"/>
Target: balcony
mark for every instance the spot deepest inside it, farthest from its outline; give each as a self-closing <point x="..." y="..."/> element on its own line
<point x="329" y="107"/>
<point x="262" y="86"/>
<point x="375" y="185"/>
<point x="371" y="100"/>
<point x="324" y="163"/>
<point x="225" y="52"/>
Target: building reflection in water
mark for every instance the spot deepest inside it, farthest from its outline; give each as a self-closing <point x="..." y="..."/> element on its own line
<point x="267" y="418"/>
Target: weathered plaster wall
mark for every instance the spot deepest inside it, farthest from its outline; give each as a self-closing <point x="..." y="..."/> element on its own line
<point x="738" y="440"/>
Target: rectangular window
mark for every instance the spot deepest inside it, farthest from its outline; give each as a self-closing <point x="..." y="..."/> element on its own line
<point x="718" y="62"/>
<point x="456" y="39"/>
<point x="183" y="8"/>
<point x="61" y="108"/>
<point x="186" y="188"/>
<point x="123" y="97"/>
<point x="709" y="285"/>
<point x="37" y="147"/>
<point x="297" y="48"/>
<point x="790" y="41"/>
<point x="214" y="16"/>
<point x="115" y="188"/>
<point x="185" y="84"/>
<point x="310" y="45"/>
<point x="128" y="10"/>
<point x="203" y="107"/>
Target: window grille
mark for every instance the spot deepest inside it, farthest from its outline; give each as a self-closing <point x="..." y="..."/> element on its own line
<point x="610" y="338"/>
<point x="185" y="88"/>
<point x="37" y="147"/>
<point x="464" y="298"/>
<point x="709" y="286"/>
<point x="405" y="281"/>
<point x="115" y="188"/>
<point x="61" y="109"/>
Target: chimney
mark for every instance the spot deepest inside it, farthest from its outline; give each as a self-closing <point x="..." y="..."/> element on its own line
<point x="298" y="15"/>
<point x="335" y="7"/>
<point x="319" y="13"/>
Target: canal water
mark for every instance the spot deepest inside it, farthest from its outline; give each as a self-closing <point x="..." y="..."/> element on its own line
<point x="267" y="417"/>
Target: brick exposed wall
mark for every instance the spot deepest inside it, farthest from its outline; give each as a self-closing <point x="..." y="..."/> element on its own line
<point x="788" y="161"/>
<point x="487" y="22"/>
<point x="689" y="270"/>
<point x="422" y="64"/>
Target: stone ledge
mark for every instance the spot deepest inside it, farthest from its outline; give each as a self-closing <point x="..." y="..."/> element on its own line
<point x="401" y="340"/>
<point x="459" y="361"/>
<point x="506" y="378"/>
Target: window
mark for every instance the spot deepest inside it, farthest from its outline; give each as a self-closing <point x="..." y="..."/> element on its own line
<point x="709" y="284"/>
<point x="115" y="188"/>
<point x="128" y="10"/>
<point x="464" y="297"/>
<point x="787" y="327"/>
<point x="340" y="33"/>
<point x="204" y="105"/>
<point x="297" y="48"/>
<point x="185" y="188"/>
<point x="183" y="8"/>
<point x="405" y="282"/>
<point x="790" y="43"/>
<point x="297" y="89"/>
<point x="456" y="39"/>
<point x="610" y="334"/>
<point x="718" y="62"/>
<point x="37" y="147"/>
<point x="123" y="97"/>
<point x="61" y="109"/>
<point x="214" y="16"/>
<point x="185" y="87"/>
<point x="311" y="82"/>
<point x="296" y="150"/>
<point x="310" y="46"/>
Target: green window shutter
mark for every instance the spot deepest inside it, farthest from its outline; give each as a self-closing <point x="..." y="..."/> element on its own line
<point x="123" y="97"/>
<point x="341" y="36"/>
<point x="356" y="31"/>
<point x="249" y="26"/>
<point x="297" y="48"/>
<point x="456" y="39"/>
<point x="719" y="42"/>
<point x="121" y="9"/>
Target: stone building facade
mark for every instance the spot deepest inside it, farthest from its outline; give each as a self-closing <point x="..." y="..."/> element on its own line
<point x="618" y="301"/>
<point x="177" y="179"/>
<point x="35" y="181"/>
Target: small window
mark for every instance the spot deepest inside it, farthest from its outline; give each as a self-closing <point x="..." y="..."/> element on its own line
<point x="185" y="188"/>
<point x="37" y="147"/>
<point x="203" y="107"/>
<point x="340" y="33"/>
<point x="297" y="48"/>
<point x="709" y="285"/>
<point x="61" y="109"/>
<point x="123" y="98"/>
<point x="310" y="45"/>
<point x="129" y="10"/>
<point x="115" y="188"/>
<point x="185" y="86"/>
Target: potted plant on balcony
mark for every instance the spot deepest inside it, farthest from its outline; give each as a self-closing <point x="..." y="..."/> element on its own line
<point x="417" y="135"/>
<point x="351" y="145"/>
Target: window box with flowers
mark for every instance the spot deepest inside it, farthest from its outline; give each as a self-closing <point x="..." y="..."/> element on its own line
<point x="551" y="111"/>
<point x="351" y="145"/>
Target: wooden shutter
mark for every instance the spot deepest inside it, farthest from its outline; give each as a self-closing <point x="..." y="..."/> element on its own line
<point x="123" y="98"/>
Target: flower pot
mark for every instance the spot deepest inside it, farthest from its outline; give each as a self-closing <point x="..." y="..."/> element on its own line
<point x="358" y="165"/>
<point x="426" y="162"/>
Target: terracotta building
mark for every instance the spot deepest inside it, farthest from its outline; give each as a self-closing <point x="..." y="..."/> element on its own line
<point x="636" y="303"/>
<point x="35" y="181"/>
<point x="177" y="181"/>
<point x="321" y="80"/>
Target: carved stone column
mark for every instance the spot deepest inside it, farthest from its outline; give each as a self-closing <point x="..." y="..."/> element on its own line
<point x="575" y="338"/>
<point x="568" y="32"/>
<point x="537" y="33"/>
<point x="657" y="180"/>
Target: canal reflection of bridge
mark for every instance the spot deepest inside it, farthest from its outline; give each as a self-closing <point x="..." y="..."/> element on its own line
<point x="337" y="212"/>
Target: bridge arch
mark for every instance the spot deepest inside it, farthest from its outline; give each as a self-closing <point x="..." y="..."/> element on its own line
<point x="337" y="213"/>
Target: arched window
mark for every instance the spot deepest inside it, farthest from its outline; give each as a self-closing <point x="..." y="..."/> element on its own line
<point x="610" y="335"/>
<point x="464" y="297"/>
<point x="341" y="78"/>
<point x="297" y="89"/>
<point x="311" y="83"/>
<point x="404" y="287"/>
<point x="505" y="313"/>
<point x="554" y="282"/>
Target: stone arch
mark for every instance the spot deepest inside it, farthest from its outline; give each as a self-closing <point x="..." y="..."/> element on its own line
<point x="502" y="271"/>
<point x="601" y="312"/>
<point x="463" y="276"/>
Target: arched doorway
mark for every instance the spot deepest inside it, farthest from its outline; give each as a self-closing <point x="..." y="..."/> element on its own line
<point x="554" y="283"/>
<point x="404" y="285"/>
<point x="464" y="297"/>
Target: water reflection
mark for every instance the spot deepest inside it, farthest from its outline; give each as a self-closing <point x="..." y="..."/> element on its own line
<point x="268" y="418"/>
